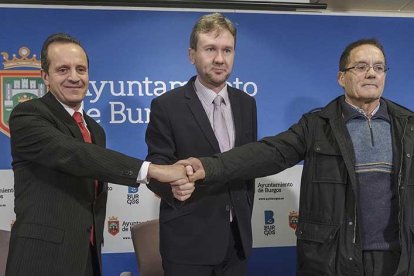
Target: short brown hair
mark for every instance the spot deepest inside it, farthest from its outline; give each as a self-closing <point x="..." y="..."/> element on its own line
<point x="211" y="22"/>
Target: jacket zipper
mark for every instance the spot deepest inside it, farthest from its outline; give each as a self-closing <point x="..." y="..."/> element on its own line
<point x="370" y="130"/>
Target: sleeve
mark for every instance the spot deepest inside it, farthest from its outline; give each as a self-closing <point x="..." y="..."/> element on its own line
<point x="268" y="156"/>
<point x="161" y="147"/>
<point x="38" y="136"/>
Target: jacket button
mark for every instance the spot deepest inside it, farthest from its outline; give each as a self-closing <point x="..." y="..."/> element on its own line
<point x="227" y="207"/>
<point x="350" y="223"/>
<point x="129" y="173"/>
<point x="408" y="155"/>
<point x="317" y="148"/>
<point x="350" y="258"/>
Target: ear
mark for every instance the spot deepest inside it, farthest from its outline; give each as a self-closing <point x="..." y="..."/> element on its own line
<point x="341" y="78"/>
<point x="191" y="55"/>
<point x="45" y="77"/>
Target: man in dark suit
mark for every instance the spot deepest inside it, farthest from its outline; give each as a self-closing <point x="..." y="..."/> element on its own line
<point x="60" y="166"/>
<point x="210" y="233"/>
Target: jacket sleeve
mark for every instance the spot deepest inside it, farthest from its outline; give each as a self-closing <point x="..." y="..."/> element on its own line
<point x="268" y="156"/>
<point x="38" y="136"/>
<point x="161" y="147"/>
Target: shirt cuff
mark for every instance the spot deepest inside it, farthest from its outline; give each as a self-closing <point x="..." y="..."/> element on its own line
<point x="143" y="173"/>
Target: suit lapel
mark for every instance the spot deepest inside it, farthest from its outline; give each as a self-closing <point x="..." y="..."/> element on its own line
<point x="200" y="115"/>
<point x="93" y="130"/>
<point x="237" y="114"/>
<point x="62" y="115"/>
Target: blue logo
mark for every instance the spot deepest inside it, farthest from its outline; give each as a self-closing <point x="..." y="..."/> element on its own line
<point x="269" y="217"/>
<point x="132" y="190"/>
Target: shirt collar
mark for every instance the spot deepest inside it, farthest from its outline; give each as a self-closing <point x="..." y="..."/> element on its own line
<point x="70" y="110"/>
<point x="350" y="111"/>
<point x="207" y="95"/>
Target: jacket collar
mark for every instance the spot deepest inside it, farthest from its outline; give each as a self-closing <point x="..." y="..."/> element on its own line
<point x="334" y="109"/>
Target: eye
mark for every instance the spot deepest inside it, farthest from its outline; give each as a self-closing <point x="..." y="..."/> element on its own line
<point x="62" y="70"/>
<point x="362" y="67"/>
<point x="228" y="51"/>
<point x="210" y="49"/>
<point x="81" y="70"/>
<point x="380" y="68"/>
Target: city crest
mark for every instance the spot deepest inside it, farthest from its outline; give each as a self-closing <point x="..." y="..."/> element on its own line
<point x="18" y="85"/>
<point x="293" y="219"/>
<point x="113" y="226"/>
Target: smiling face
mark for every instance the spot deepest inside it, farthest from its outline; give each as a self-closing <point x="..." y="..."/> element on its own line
<point x="213" y="58"/>
<point x="67" y="77"/>
<point x="363" y="89"/>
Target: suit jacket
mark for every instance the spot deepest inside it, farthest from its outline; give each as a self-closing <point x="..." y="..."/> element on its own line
<point x="55" y="204"/>
<point x="197" y="231"/>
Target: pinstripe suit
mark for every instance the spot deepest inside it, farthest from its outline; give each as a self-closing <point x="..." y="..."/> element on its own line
<point x="55" y="204"/>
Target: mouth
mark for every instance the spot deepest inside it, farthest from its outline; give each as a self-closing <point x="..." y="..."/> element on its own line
<point x="219" y="70"/>
<point x="370" y="85"/>
<point x="73" y="87"/>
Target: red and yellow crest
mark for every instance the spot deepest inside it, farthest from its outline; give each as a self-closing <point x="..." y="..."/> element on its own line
<point x="293" y="219"/>
<point x="113" y="226"/>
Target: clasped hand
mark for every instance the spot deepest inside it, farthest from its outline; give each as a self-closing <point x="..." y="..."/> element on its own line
<point x="183" y="188"/>
<point x="181" y="176"/>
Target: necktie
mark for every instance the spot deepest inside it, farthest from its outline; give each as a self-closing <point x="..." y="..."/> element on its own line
<point x="87" y="138"/>
<point x="219" y="124"/>
<point x="220" y="129"/>
<point x="85" y="133"/>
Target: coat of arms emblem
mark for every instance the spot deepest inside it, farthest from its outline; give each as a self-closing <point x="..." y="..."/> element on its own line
<point x="113" y="226"/>
<point x="18" y="84"/>
<point x="293" y="219"/>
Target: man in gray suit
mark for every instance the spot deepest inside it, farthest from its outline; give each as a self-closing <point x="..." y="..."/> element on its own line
<point x="60" y="168"/>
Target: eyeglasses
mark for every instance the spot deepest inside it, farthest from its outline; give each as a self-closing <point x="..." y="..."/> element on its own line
<point x="364" y="67"/>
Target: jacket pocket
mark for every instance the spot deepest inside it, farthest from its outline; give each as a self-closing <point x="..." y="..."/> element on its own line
<point x="316" y="247"/>
<point x="40" y="232"/>
<point x="329" y="165"/>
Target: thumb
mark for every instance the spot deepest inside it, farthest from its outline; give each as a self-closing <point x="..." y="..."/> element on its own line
<point x="189" y="170"/>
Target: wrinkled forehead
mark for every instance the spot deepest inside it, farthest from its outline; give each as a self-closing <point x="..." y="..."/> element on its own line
<point x="366" y="53"/>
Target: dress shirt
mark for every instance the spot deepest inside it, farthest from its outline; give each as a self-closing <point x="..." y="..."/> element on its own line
<point x="207" y="97"/>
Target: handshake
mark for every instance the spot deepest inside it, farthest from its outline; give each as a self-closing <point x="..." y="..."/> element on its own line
<point x="181" y="176"/>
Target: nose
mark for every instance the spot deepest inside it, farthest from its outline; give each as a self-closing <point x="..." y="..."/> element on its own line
<point x="219" y="57"/>
<point x="73" y="76"/>
<point x="370" y="72"/>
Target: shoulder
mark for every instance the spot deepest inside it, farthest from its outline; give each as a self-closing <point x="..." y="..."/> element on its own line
<point x="31" y="106"/>
<point x="243" y="96"/>
<point x="173" y="95"/>
<point x="397" y="109"/>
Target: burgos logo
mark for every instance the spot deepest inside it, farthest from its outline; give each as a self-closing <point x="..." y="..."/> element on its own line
<point x="269" y="227"/>
<point x="132" y="196"/>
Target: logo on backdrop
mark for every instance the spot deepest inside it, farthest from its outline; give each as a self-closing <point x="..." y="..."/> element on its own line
<point x="113" y="226"/>
<point x="132" y="196"/>
<point x="18" y="85"/>
<point x="293" y="219"/>
<point x="269" y="220"/>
